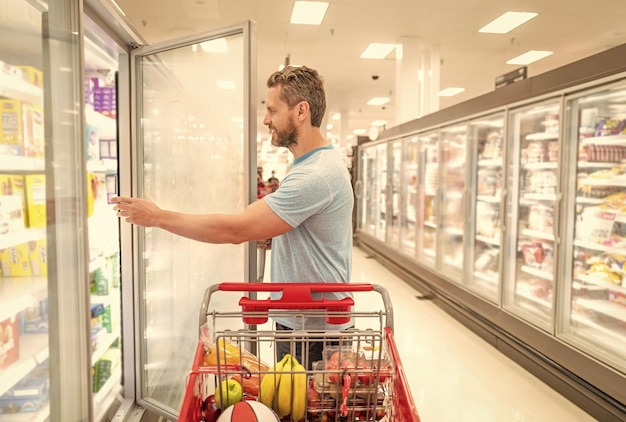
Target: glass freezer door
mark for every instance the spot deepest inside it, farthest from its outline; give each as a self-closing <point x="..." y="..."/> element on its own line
<point x="453" y="207"/>
<point x="594" y="299"/>
<point x="370" y="187"/>
<point x="428" y="198"/>
<point x="383" y="207"/>
<point x="410" y="172"/>
<point x="533" y="184"/>
<point x="487" y="139"/>
<point x="195" y="151"/>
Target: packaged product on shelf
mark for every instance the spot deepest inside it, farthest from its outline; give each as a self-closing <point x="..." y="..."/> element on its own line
<point x="32" y="75"/>
<point x="99" y="280"/>
<point x="11" y="214"/>
<point x="104" y="367"/>
<point x="15" y="261"/>
<point x="10" y="71"/>
<point x="11" y="125"/>
<point x="91" y="142"/>
<point x="38" y="253"/>
<point x="36" y="317"/>
<point x="9" y="341"/>
<point x="30" y="394"/>
<point x="36" y="199"/>
<point x="33" y="125"/>
<point x="13" y="184"/>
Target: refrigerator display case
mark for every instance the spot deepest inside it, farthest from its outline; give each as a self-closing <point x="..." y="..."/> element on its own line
<point x="428" y="198"/>
<point x="519" y="223"/>
<point x="397" y="196"/>
<point x="383" y="207"/>
<point x="488" y="183"/>
<point x="191" y="145"/>
<point x="453" y="200"/>
<point x="367" y="191"/>
<point x="410" y="170"/>
<point x="594" y="299"/>
<point x="532" y="208"/>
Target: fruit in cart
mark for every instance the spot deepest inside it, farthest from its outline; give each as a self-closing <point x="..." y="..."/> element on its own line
<point x="248" y="411"/>
<point x="298" y="407"/>
<point x="270" y="383"/>
<point x="210" y="411"/>
<point x="225" y="351"/>
<point x="283" y="402"/>
<point x="313" y="398"/>
<point x="228" y="393"/>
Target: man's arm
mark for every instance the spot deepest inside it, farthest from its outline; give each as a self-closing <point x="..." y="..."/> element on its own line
<point x="256" y="222"/>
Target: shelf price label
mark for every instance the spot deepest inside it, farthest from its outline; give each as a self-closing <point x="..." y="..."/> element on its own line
<point x="601" y="225"/>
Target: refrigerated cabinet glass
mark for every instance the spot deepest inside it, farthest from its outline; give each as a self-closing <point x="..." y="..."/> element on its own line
<point x="384" y="194"/>
<point x="453" y="200"/>
<point x="428" y="198"/>
<point x="370" y="190"/>
<point x="396" y="212"/>
<point x="533" y="184"/>
<point x="487" y="139"/>
<point x="594" y="302"/>
<point x="192" y="155"/>
<point x="410" y="204"/>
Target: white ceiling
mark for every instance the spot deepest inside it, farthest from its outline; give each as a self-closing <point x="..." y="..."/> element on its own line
<point x="573" y="29"/>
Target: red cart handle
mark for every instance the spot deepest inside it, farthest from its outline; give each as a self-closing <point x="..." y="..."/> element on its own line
<point x="295" y="296"/>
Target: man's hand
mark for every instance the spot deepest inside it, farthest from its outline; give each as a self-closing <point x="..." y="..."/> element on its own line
<point x="140" y="212"/>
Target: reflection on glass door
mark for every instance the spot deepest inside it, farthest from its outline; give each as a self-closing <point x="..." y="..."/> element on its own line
<point x="383" y="205"/>
<point x="370" y="189"/>
<point x="396" y="198"/>
<point x="453" y="208"/>
<point x="409" y="180"/>
<point x="486" y="135"/>
<point x="194" y="156"/>
<point x="428" y="198"/>
<point x="533" y="183"/>
<point x="594" y="302"/>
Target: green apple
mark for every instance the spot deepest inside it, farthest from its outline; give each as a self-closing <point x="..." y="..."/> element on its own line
<point x="228" y="393"/>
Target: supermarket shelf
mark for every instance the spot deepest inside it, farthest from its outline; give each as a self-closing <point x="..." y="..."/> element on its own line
<point x="613" y="181"/>
<point x="604" y="307"/>
<point x="104" y="341"/>
<point x="18" y="89"/>
<point x="523" y="292"/>
<point x="540" y="197"/>
<point x="491" y="199"/>
<point x="14" y="163"/>
<point x="538" y="234"/>
<point x="107" y="126"/>
<point x="18" y="293"/>
<point x="489" y="240"/>
<point x="107" y="394"/>
<point x="33" y="351"/>
<point x="596" y="164"/>
<point x="492" y="279"/>
<point x="605" y="140"/>
<point x="41" y="415"/>
<point x="599" y="282"/>
<point x="541" y="165"/>
<point x="537" y="273"/>
<point x="21" y="236"/>
<point x="598" y="247"/>
<point x="600" y="332"/>
<point x="493" y="162"/>
<point x="542" y="136"/>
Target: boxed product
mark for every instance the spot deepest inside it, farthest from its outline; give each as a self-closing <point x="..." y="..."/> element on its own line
<point x="15" y="261"/>
<point x="29" y="395"/>
<point x="36" y="317"/>
<point x="33" y="131"/>
<point x="36" y="199"/>
<point x="11" y="214"/>
<point x="104" y="367"/>
<point x="99" y="280"/>
<point x="9" y="341"/>
<point x="11" y="125"/>
<point x="13" y="184"/>
<point x="92" y="143"/>
<point x="32" y="75"/>
<point x="38" y="254"/>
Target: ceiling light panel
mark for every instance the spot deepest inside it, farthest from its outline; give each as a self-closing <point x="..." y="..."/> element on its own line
<point x="377" y="50"/>
<point x="507" y="22"/>
<point x="308" y="12"/>
<point x="450" y="92"/>
<point x="529" y="57"/>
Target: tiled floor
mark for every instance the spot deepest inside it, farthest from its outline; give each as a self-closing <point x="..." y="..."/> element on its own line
<point x="453" y="374"/>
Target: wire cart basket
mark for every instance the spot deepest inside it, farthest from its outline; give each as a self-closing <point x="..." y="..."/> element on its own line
<point x="359" y="376"/>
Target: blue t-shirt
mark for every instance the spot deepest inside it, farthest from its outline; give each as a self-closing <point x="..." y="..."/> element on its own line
<point x="315" y="198"/>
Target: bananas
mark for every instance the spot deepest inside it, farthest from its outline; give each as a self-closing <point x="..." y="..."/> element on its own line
<point x="284" y="387"/>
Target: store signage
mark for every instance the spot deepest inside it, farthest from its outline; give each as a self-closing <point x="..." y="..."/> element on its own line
<point x="512" y="77"/>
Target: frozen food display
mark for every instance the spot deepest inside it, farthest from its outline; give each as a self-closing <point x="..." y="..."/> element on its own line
<point x="429" y="198"/>
<point x="453" y="207"/>
<point x="487" y="135"/>
<point x="534" y="137"/>
<point x="597" y="299"/>
<point x="411" y="170"/>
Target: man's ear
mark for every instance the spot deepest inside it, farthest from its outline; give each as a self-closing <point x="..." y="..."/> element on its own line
<point x="303" y="110"/>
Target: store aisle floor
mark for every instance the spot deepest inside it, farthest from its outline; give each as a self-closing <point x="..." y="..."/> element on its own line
<point x="454" y="375"/>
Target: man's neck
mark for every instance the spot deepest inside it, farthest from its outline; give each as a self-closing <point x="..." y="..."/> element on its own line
<point x="308" y="141"/>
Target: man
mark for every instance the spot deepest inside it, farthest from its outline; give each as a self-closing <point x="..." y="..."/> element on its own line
<point x="309" y="218"/>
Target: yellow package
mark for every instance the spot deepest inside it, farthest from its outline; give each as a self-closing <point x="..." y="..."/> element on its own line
<point x="15" y="261"/>
<point x="36" y="200"/>
<point x="38" y="254"/>
<point x="33" y="135"/>
<point x="11" y="125"/>
<point x="13" y="184"/>
<point x="32" y="75"/>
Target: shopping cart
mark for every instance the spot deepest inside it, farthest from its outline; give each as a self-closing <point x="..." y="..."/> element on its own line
<point x="359" y="378"/>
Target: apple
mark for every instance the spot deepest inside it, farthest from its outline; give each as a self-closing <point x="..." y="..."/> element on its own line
<point x="228" y="393"/>
<point x="209" y="409"/>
